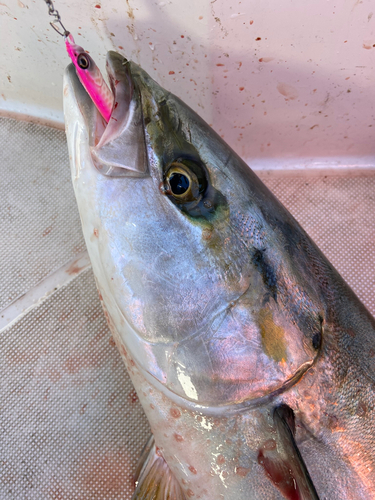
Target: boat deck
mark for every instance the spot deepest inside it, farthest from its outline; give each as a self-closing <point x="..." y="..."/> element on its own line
<point x="70" y="421"/>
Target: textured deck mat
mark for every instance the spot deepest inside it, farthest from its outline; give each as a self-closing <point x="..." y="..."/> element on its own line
<point x="40" y="227"/>
<point x="71" y="426"/>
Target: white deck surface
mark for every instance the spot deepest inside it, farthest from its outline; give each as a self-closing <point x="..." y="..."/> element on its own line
<point x="71" y="426"/>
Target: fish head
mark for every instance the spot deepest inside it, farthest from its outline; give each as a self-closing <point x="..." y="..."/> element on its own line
<point x="197" y="263"/>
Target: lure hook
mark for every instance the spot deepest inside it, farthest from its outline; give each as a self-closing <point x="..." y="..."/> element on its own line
<point x="55" y="13"/>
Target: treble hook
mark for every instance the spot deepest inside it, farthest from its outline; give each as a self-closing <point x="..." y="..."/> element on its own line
<point x="53" y="12"/>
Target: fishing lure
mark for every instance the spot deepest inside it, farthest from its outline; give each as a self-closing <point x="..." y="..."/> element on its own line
<point x="87" y="71"/>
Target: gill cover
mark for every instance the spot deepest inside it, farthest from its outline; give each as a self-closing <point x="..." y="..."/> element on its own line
<point x="121" y="149"/>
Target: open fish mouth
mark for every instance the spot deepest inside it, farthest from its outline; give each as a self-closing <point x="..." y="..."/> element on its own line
<point x="117" y="148"/>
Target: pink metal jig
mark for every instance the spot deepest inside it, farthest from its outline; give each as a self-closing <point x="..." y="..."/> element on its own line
<point x="90" y="77"/>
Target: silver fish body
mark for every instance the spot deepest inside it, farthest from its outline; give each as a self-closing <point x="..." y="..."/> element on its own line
<point x="253" y="360"/>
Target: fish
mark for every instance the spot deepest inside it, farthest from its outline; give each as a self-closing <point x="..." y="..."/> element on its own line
<point x="252" y="358"/>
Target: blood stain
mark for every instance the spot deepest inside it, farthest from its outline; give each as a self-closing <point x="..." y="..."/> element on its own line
<point x="279" y="472"/>
<point x="133" y="397"/>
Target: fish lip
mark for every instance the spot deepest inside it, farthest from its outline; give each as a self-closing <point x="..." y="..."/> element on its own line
<point x="118" y="148"/>
<point x="115" y="64"/>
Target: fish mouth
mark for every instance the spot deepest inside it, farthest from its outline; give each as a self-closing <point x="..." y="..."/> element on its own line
<point x="118" y="148"/>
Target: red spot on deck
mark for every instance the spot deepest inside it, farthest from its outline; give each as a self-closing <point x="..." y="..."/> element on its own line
<point x="132" y="397"/>
<point x="96" y="232"/>
<point x="251" y="22"/>
<point x="74" y="269"/>
<point x="257" y="39"/>
<point x="192" y="469"/>
<point x="171" y="72"/>
<point x="219" y="64"/>
<point x="182" y="36"/>
<point x="121" y="47"/>
<point x="178" y="438"/>
<point x="97" y="6"/>
<point x="242" y="88"/>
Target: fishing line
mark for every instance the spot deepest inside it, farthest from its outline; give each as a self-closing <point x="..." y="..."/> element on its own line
<point x="86" y="69"/>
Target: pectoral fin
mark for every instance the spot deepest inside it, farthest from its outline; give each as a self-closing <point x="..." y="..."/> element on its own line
<point x="154" y="478"/>
<point x="282" y="461"/>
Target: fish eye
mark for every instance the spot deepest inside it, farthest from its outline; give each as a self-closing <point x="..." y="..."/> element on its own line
<point x="179" y="183"/>
<point x="83" y="61"/>
<point x="182" y="183"/>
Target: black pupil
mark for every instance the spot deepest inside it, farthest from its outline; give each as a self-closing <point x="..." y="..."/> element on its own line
<point x="179" y="183"/>
<point x="83" y="62"/>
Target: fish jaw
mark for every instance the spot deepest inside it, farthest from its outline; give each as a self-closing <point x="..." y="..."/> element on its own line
<point x="93" y="190"/>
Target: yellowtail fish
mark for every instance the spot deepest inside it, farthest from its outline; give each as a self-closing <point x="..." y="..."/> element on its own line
<point x="253" y="360"/>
